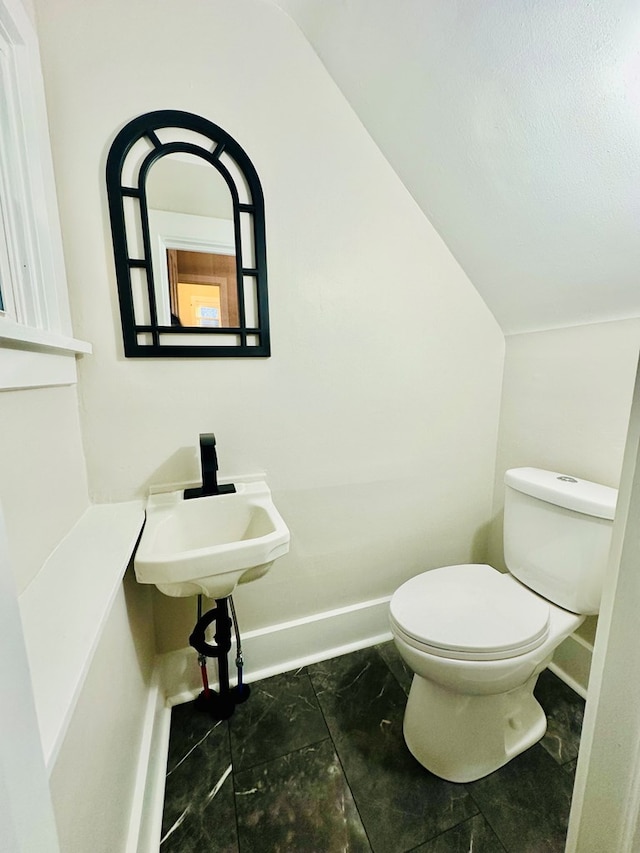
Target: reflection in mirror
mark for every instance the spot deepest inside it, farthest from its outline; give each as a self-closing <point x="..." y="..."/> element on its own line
<point x="187" y="219"/>
<point x="192" y="243"/>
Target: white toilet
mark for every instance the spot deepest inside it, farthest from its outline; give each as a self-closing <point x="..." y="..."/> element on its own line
<point x="477" y="639"/>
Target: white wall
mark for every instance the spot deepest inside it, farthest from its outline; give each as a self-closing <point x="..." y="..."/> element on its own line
<point x="515" y="127"/>
<point x="567" y="397"/>
<point x="93" y="781"/>
<point x="43" y="486"/>
<point x="379" y="406"/>
<point x="23" y="780"/>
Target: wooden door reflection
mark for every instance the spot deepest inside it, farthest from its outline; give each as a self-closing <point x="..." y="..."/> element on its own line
<point x="202" y="289"/>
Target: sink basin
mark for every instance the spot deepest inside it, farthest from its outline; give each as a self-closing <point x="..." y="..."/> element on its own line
<point x="208" y="545"/>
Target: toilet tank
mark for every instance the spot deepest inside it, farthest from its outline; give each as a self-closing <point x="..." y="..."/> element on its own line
<point x="557" y="533"/>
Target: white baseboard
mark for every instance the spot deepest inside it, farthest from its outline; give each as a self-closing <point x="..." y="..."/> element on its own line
<point x="572" y="663"/>
<point x="285" y="646"/>
<point x="146" y="810"/>
<point x="267" y="651"/>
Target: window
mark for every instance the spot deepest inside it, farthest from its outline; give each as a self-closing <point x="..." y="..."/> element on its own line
<point x="35" y="328"/>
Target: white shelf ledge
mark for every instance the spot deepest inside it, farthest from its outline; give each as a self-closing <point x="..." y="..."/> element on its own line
<point x="66" y="606"/>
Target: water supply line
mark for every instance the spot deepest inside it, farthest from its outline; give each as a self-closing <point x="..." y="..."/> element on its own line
<point x="202" y="659"/>
<point x="242" y="690"/>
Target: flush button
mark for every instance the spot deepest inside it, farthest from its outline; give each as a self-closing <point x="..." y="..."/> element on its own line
<point x="568" y="479"/>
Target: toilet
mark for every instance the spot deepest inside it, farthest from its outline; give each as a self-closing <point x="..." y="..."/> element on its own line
<point x="477" y="639"/>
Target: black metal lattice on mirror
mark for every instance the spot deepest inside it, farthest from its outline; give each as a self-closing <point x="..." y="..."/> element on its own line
<point x="187" y="221"/>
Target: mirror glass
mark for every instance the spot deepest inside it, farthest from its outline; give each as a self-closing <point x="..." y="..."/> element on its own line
<point x="192" y="238"/>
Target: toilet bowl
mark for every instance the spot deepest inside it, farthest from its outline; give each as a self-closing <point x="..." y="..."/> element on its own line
<point x="471" y="708"/>
<point x="477" y="639"/>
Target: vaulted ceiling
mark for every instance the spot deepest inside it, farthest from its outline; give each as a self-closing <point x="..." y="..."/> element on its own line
<point x="515" y="125"/>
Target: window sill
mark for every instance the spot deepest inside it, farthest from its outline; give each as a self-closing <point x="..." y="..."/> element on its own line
<point x="16" y="335"/>
<point x="35" y="358"/>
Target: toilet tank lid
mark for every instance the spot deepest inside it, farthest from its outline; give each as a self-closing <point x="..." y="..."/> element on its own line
<point x="564" y="490"/>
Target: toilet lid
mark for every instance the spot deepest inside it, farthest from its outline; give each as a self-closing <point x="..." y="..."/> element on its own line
<point x="470" y="612"/>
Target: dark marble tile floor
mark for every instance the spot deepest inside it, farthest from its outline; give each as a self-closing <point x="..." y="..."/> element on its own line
<point x="315" y="762"/>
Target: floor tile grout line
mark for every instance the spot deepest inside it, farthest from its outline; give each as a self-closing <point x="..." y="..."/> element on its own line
<point x="479" y="812"/>
<point x="445" y="831"/>
<point x="344" y="772"/>
<point x="426" y="840"/>
<point x="296" y="673"/>
<point x="233" y="786"/>
<point x="488" y="822"/>
<point x="285" y="754"/>
<point x="376" y="648"/>
<point x="193" y="748"/>
<point x="469" y="794"/>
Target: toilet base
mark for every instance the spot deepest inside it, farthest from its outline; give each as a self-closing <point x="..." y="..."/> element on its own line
<point x="462" y="737"/>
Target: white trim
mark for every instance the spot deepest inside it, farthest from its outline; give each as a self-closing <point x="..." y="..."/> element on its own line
<point x="37" y="316"/>
<point x="40" y="338"/>
<point x="33" y="358"/>
<point x="631" y="824"/>
<point x="25" y="368"/>
<point x="148" y="800"/>
<point x="572" y="663"/>
<point x="33" y="226"/>
<point x="606" y="798"/>
<point x="571" y="682"/>
<point x="286" y="646"/>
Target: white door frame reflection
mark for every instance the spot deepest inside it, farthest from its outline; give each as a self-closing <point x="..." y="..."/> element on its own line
<point x="185" y="232"/>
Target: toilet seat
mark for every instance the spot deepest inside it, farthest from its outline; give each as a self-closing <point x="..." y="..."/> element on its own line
<point x="469" y="612"/>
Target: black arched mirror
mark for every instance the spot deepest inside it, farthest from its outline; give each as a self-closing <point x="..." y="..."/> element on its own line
<point x="187" y="220"/>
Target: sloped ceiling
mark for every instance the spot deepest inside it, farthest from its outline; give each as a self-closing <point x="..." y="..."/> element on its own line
<point x="515" y="125"/>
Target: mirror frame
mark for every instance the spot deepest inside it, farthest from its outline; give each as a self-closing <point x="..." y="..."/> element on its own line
<point x="148" y="339"/>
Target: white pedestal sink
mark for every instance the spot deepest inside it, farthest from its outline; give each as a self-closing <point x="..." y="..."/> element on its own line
<point x="208" y="545"/>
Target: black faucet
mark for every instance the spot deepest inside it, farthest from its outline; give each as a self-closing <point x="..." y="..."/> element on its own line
<point x="209" y="466"/>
